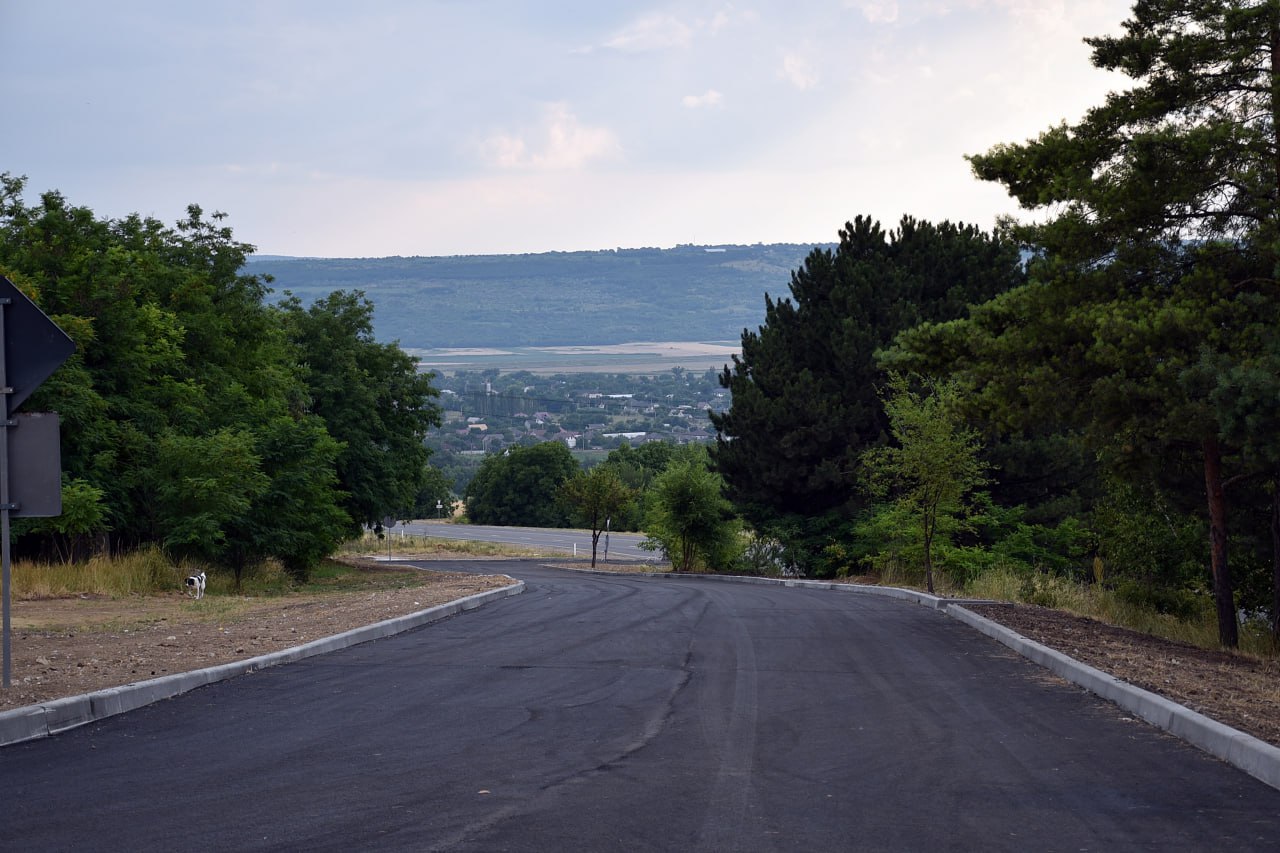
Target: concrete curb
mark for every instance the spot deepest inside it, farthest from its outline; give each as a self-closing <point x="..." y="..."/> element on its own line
<point x="1256" y="757"/>
<point x="59" y="715"/>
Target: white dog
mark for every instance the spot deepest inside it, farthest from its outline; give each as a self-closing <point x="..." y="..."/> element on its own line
<point x="195" y="584"/>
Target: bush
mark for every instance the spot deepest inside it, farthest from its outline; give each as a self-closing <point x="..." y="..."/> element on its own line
<point x="1182" y="604"/>
<point x="766" y="557"/>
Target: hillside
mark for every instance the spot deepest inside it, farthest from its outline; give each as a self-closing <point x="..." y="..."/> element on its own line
<point x="689" y="293"/>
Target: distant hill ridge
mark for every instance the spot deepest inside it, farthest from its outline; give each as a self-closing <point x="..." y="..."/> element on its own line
<point x="688" y="293"/>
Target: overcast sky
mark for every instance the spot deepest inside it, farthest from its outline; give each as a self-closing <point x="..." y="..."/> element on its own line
<point x="439" y="127"/>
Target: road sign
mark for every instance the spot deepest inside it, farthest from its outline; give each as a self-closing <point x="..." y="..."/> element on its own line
<point x="35" y="466"/>
<point x="31" y="348"/>
<point x="34" y="346"/>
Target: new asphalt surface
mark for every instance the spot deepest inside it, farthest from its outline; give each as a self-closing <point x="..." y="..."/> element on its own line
<point x="638" y="713"/>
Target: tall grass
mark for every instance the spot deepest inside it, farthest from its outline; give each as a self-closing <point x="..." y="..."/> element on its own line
<point x="371" y="544"/>
<point x="1098" y="602"/>
<point x="142" y="572"/>
<point x="149" y="572"/>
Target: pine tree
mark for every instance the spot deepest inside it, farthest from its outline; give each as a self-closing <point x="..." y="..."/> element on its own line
<point x="1154" y="192"/>
<point x="805" y="388"/>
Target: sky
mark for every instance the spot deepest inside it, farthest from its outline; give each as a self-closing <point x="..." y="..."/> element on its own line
<point x="453" y="127"/>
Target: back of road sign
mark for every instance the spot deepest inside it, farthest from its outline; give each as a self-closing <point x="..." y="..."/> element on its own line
<point x="35" y="466"/>
<point x="34" y="346"/>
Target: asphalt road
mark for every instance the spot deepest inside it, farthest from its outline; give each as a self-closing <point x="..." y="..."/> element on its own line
<point x="630" y="714"/>
<point x="621" y="546"/>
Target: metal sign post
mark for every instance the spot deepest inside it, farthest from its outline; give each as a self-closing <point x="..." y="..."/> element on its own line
<point x="5" y="393"/>
<point x="31" y="347"/>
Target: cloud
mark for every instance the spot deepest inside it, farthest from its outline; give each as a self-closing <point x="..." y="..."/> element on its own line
<point x="666" y="32"/>
<point x="655" y="32"/>
<point x="560" y="142"/>
<point x="709" y="98"/>
<point x="798" y="71"/>
<point x="878" y="11"/>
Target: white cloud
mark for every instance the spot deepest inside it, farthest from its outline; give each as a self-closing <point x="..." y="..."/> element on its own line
<point x="799" y="71"/>
<point x="709" y="98"/>
<point x="879" y="11"/>
<point x="560" y="142"/>
<point x="655" y="32"/>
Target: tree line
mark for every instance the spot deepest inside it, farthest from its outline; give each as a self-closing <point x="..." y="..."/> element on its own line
<point x="1094" y="392"/>
<point x="552" y="298"/>
<point x="195" y="415"/>
<point x="669" y="492"/>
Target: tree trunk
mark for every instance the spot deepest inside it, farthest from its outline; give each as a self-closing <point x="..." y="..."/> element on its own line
<point x="928" y="552"/>
<point x="1275" y="105"/>
<point x="1224" y="597"/>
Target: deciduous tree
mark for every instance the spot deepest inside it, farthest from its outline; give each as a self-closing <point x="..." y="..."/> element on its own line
<point x="520" y="486"/>
<point x="933" y="462"/>
<point x="689" y="518"/>
<point x="372" y="399"/>
<point x="594" y="497"/>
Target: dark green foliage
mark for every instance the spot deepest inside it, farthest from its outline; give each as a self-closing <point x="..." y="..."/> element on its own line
<point x="304" y="520"/>
<point x="1162" y="247"/>
<point x="593" y="498"/>
<point x="688" y="517"/>
<point x="204" y="491"/>
<point x="188" y="413"/>
<point x="638" y="468"/>
<point x="805" y="389"/>
<point x="372" y="400"/>
<point x="521" y="487"/>
<point x="931" y="466"/>
<point x="437" y="488"/>
<point x="84" y="516"/>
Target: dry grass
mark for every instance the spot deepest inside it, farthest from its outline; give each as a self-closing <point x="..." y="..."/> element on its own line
<point x="1098" y="602"/>
<point x="416" y="546"/>
<point x="149" y="572"/>
<point x="140" y="573"/>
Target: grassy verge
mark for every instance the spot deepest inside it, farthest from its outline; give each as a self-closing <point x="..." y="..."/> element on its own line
<point x="150" y="572"/>
<point x="413" y="545"/>
<point x="140" y="573"/>
<point x="1103" y="604"/>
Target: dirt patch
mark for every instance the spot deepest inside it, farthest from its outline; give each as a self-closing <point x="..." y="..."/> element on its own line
<point x="1240" y="691"/>
<point x="68" y="646"/>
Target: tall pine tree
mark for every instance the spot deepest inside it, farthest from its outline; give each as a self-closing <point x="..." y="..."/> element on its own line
<point x="1179" y="171"/>
<point x="805" y="389"/>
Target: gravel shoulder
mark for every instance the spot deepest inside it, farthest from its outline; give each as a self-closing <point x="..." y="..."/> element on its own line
<point x="68" y="646"/>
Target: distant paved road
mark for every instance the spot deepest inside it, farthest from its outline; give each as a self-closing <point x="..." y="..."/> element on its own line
<point x="638" y="714"/>
<point x="622" y="546"/>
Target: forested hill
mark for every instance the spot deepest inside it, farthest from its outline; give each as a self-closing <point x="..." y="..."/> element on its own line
<point x="689" y="293"/>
